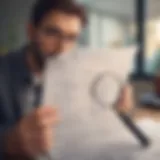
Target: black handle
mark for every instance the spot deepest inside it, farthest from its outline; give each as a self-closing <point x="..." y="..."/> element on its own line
<point x="134" y="129"/>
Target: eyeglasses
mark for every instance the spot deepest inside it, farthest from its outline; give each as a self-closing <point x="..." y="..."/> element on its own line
<point x="57" y="33"/>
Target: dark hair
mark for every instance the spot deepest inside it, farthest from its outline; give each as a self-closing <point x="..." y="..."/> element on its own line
<point x="42" y="7"/>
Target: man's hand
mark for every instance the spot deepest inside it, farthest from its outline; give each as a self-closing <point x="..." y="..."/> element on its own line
<point x="126" y="99"/>
<point x="34" y="134"/>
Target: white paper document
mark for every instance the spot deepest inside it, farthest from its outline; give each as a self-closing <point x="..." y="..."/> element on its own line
<point x="87" y="129"/>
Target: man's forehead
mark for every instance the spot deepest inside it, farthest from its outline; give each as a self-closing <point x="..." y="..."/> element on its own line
<point x="67" y="22"/>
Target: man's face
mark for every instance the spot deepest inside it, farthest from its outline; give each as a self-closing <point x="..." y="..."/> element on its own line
<point x="57" y="33"/>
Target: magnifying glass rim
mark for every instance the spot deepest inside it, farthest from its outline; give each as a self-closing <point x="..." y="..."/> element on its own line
<point x="96" y="82"/>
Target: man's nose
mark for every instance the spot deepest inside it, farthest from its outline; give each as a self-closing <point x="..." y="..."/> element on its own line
<point x="61" y="46"/>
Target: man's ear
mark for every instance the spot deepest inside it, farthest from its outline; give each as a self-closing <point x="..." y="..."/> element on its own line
<point x="30" y="31"/>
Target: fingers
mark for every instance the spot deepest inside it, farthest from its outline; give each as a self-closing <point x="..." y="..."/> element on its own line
<point x="36" y="132"/>
<point x="44" y="140"/>
<point x="126" y="99"/>
<point x="126" y="93"/>
<point x="45" y="117"/>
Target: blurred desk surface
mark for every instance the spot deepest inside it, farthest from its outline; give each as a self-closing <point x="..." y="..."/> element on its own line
<point x="142" y="113"/>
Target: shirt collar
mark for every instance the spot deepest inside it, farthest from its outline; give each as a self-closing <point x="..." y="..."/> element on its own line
<point x="22" y="66"/>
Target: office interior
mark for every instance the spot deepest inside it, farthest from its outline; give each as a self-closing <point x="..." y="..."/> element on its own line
<point x="112" y="23"/>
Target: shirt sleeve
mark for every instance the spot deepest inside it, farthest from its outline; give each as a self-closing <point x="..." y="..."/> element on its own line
<point x="6" y="121"/>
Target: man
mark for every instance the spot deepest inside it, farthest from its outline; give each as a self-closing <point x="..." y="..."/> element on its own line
<point x="26" y="128"/>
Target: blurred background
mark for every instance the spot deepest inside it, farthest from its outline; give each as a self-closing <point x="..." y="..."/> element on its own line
<point x="111" y="23"/>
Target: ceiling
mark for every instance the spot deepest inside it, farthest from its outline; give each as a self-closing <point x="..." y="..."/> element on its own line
<point x="123" y="8"/>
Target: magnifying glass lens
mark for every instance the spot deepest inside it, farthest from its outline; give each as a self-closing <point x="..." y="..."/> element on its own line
<point x="108" y="90"/>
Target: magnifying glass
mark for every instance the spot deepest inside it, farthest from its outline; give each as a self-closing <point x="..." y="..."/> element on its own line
<point x="98" y="93"/>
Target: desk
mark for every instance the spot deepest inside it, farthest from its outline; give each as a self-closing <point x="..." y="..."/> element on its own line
<point x="141" y="113"/>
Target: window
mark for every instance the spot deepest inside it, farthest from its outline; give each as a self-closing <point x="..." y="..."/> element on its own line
<point x="151" y="56"/>
<point x="110" y="23"/>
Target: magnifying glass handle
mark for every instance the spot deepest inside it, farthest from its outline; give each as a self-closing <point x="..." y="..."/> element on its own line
<point x="134" y="129"/>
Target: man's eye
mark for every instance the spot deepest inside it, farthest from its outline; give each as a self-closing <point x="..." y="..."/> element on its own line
<point x="52" y="32"/>
<point x="72" y="37"/>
